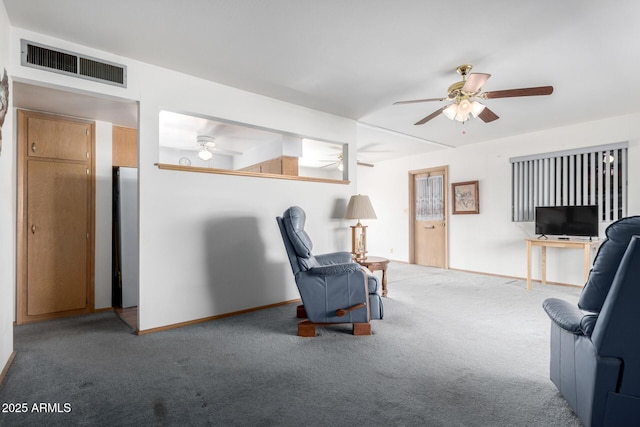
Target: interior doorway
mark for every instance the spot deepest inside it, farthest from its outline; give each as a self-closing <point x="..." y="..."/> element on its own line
<point x="428" y="208"/>
<point x="103" y="111"/>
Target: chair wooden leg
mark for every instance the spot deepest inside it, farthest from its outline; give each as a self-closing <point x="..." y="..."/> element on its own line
<point x="362" y="329"/>
<point x="306" y="329"/>
<point x="300" y="312"/>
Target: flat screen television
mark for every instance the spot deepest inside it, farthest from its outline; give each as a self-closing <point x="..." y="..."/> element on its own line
<point x="567" y="221"/>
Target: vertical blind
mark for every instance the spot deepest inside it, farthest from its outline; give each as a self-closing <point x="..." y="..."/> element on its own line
<point x="430" y="198"/>
<point x="588" y="176"/>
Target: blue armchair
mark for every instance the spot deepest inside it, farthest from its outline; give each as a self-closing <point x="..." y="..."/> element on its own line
<point x="595" y="347"/>
<point x="333" y="288"/>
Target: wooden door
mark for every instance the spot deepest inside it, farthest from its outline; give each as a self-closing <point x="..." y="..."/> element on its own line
<point x="56" y="216"/>
<point x="429" y="237"/>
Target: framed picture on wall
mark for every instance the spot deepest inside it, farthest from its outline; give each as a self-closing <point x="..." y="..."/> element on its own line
<point x="465" y="197"/>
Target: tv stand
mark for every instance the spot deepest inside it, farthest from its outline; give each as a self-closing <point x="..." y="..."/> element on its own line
<point x="585" y="245"/>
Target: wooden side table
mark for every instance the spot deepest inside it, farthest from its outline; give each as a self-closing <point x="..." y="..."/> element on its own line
<point x="585" y="245"/>
<point x="375" y="263"/>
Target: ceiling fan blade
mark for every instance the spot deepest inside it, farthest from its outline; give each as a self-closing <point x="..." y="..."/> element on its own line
<point x="487" y="115"/>
<point x="432" y="115"/>
<point x="474" y="82"/>
<point x="510" y="93"/>
<point x="413" y="101"/>
<point x="369" y="165"/>
<point x="330" y="164"/>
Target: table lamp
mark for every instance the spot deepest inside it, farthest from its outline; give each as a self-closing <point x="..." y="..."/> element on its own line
<point x="359" y="207"/>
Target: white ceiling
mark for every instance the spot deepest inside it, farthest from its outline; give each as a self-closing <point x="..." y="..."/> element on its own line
<point x="355" y="58"/>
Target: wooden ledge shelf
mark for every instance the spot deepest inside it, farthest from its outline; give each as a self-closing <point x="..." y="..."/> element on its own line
<point x="167" y="166"/>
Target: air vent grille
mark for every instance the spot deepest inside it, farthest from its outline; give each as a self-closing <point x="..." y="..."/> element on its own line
<point x="102" y="71"/>
<point x="59" y="61"/>
<point x="48" y="58"/>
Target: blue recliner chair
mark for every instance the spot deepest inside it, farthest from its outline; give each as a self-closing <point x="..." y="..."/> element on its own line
<point x="333" y="288"/>
<point x="595" y="349"/>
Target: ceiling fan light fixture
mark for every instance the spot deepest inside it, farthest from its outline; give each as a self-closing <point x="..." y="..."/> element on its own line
<point x="476" y="108"/>
<point x="461" y="110"/>
<point x="451" y="111"/>
<point x="462" y="117"/>
<point x="462" y="114"/>
<point x="205" y="154"/>
<point x="464" y="108"/>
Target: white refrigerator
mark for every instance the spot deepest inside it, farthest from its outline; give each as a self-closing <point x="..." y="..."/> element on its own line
<point x="129" y="244"/>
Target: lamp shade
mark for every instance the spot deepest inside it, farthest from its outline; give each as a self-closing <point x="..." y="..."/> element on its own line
<point x="360" y="207"/>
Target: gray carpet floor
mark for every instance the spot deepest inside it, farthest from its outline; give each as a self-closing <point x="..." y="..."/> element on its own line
<point x="454" y="349"/>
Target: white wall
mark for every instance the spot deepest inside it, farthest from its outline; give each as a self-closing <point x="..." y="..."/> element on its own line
<point x="104" y="198"/>
<point x="7" y="208"/>
<point x="490" y="242"/>
<point x="209" y="244"/>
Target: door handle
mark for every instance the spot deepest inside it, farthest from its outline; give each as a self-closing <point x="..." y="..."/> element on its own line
<point x="33" y="229"/>
<point x="33" y="147"/>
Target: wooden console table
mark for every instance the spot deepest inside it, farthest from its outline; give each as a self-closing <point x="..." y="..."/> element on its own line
<point x="374" y="263"/>
<point x="585" y="245"/>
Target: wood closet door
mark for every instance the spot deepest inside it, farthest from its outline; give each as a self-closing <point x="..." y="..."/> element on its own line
<point x="55" y="240"/>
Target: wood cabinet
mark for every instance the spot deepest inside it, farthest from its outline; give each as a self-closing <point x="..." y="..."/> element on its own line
<point x="58" y="229"/>
<point x="55" y="242"/>
<point x="284" y="165"/>
<point x="124" y="147"/>
<point x="57" y="139"/>
<point x="289" y="166"/>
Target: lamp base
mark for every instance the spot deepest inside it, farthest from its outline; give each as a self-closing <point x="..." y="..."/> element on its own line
<point x="359" y="242"/>
<point x="359" y="256"/>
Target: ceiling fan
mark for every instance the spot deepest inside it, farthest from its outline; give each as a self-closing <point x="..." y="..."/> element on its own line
<point x="465" y="94"/>
<point x="340" y="163"/>
<point x="206" y="147"/>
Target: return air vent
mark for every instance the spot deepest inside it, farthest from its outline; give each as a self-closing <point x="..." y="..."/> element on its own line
<point x="60" y="61"/>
